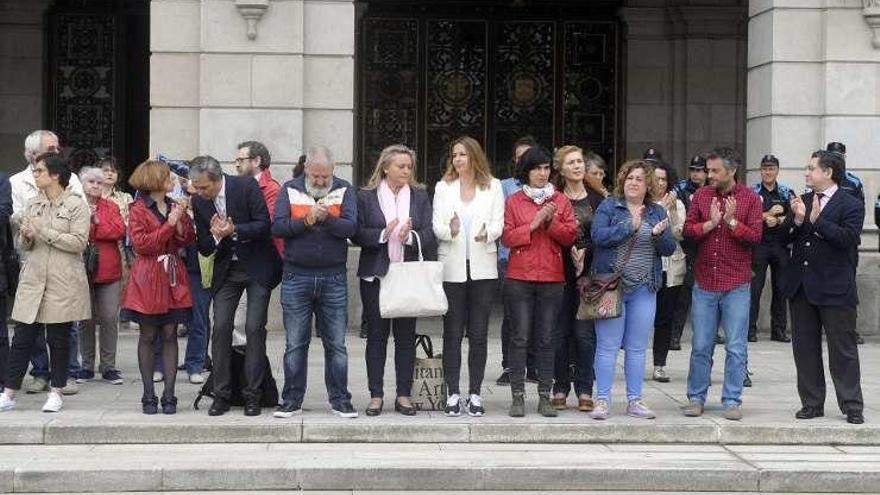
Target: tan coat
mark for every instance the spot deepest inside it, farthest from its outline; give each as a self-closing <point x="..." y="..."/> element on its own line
<point x="53" y="287"/>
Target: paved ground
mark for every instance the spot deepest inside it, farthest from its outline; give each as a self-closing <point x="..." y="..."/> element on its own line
<point x="772" y="401"/>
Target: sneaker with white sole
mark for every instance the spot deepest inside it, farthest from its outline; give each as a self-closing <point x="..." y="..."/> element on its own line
<point x="54" y="401"/>
<point x="112" y="376"/>
<point x="601" y="409"/>
<point x="6" y="403"/>
<point x="285" y="411"/>
<point x="475" y="406"/>
<point x="638" y="409"/>
<point x="453" y="406"/>
<point x="345" y="410"/>
<point x="38" y="385"/>
<point x="71" y="388"/>
<point x="660" y="375"/>
<point x="197" y="378"/>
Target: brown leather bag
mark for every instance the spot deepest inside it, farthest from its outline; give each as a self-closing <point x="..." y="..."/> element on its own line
<point x="601" y="294"/>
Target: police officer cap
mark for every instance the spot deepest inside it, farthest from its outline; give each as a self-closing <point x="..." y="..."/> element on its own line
<point x="698" y="162"/>
<point x="770" y="159"/>
<point x="836" y="147"/>
<point x="652" y="155"/>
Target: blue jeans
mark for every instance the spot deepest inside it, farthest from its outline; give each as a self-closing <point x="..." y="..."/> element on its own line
<point x="197" y="337"/>
<point x="327" y="298"/>
<point x="732" y="309"/>
<point x="632" y="329"/>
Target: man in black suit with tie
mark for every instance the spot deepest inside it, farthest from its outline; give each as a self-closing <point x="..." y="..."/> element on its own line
<point x="820" y="281"/>
<point x="232" y="223"/>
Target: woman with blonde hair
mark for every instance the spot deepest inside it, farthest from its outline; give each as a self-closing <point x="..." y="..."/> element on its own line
<point x="631" y="233"/>
<point x="391" y="207"/>
<point x="468" y="219"/>
<point x="575" y="339"/>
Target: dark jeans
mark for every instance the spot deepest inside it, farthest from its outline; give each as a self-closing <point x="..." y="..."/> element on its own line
<point x="40" y="358"/>
<point x="58" y="337"/>
<point x="505" y="325"/>
<point x="326" y="297"/>
<point x="225" y="303"/>
<point x="470" y="304"/>
<point x="378" y="329"/>
<point x="685" y="296"/>
<point x="667" y="300"/>
<point x="774" y="255"/>
<point x="839" y="324"/>
<point x="197" y="337"/>
<point x="575" y="343"/>
<point x="4" y="342"/>
<point x="533" y="309"/>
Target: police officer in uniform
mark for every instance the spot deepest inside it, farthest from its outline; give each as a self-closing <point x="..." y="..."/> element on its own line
<point x="685" y="189"/>
<point x="850" y="184"/>
<point x="771" y="251"/>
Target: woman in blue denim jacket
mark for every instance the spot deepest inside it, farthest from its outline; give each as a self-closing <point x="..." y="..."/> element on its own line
<point x="629" y="220"/>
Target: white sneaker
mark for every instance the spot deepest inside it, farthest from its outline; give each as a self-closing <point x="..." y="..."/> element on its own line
<point x="158" y="376"/>
<point x="453" y="406"/>
<point x="6" y="404"/>
<point x="475" y="406"/>
<point x="197" y="378"/>
<point x="54" y="401"/>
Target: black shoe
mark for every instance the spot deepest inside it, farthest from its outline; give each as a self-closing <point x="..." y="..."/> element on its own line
<point x="753" y="337"/>
<point x="675" y="344"/>
<point x="532" y="376"/>
<point x="747" y="383"/>
<point x="169" y="405"/>
<point x="375" y="411"/>
<point x="150" y="405"/>
<point x="780" y="338"/>
<point x="345" y="410"/>
<point x="218" y="408"/>
<point x="855" y="417"/>
<point x="809" y="412"/>
<point x="504" y="379"/>
<point x="252" y="408"/>
<point x="404" y="410"/>
<point x="860" y="341"/>
<point x="287" y="411"/>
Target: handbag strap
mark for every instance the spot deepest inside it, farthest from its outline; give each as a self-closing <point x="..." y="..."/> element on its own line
<point x="419" y="243"/>
<point x="425" y="342"/>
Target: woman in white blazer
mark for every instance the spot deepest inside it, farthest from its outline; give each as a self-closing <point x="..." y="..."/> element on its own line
<point x="468" y="218"/>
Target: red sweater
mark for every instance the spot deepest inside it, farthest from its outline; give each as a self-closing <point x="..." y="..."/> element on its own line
<point x="537" y="256"/>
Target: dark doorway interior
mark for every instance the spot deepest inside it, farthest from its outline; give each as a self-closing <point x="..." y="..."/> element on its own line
<point x="98" y="84"/>
<point x="495" y="70"/>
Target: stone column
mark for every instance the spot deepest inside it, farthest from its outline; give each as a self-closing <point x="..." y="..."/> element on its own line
<point x="291" y="86"/>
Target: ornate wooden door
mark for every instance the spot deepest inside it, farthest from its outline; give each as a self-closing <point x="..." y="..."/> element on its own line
<point x="426" y="79"/>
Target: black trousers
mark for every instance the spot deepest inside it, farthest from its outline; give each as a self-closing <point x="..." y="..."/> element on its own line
<point x="667" y="301"/>
<point x="4" y="341"/>
<point x="575" y="348"/>
<point x="378" y="331"/>
<point x="505" y="327"/>
<point x="839" y="323"/>
<point x="225" y="303"/>
<point x="58" y="337"/>
<point x="470" y="304"/>
<point x="533" y="309"/>
<point x="683" y="304"/>
<point x="771" y="254"/>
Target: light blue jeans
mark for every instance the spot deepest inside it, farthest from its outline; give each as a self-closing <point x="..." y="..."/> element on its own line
<point x="731" y="309"/>
<point x="632" y="329"/>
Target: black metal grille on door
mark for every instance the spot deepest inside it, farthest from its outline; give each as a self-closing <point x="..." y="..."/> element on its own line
<point x="424" y="81"/>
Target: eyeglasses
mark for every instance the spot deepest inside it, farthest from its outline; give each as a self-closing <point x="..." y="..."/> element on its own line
<point x="240" y="159"/>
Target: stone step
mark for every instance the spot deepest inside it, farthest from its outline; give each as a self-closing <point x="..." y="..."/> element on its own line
<point x="428" y="492"/>
<point x="198" y="429"/>
<point x="433" y="466"/>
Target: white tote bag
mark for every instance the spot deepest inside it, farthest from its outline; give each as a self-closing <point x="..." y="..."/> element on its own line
<point x="413" y="289"/>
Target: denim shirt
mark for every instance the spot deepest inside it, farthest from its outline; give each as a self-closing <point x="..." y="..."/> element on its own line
<point x="509" y="187"/>
<point x="612" y="230"/>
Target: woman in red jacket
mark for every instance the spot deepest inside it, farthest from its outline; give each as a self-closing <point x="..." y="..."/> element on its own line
<point x="539" y="223"/>
<point x="107" y="229"/>
<point x="157" y="295"/>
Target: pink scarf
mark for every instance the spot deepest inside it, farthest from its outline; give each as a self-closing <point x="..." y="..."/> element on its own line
<point x="394" y="207"/>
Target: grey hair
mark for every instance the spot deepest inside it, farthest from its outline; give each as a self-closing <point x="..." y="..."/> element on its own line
<point x="205" y="165"/>
<point x="319" y="153"/>
<point x="87" y="173"/>
<point x="33" y="142"/>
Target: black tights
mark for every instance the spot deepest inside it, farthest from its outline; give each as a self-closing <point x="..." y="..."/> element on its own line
<point x="169" y="357"/>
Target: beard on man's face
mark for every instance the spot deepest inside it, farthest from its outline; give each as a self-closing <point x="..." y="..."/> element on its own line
<point x="317" y="192"/>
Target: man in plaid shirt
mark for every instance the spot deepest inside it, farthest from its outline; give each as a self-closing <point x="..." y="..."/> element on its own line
<point x="725" y="220"/>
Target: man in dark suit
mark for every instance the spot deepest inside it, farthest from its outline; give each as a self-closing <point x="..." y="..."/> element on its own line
<point x="232" y="223"/>
<point x="820" y="282"/>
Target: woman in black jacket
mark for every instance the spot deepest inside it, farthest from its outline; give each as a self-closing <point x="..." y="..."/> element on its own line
<point x="390" y="208"/>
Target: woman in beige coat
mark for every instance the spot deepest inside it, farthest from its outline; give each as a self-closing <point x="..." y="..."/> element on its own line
<point x="53" y="290"/>
<point x="674" y="269"/>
